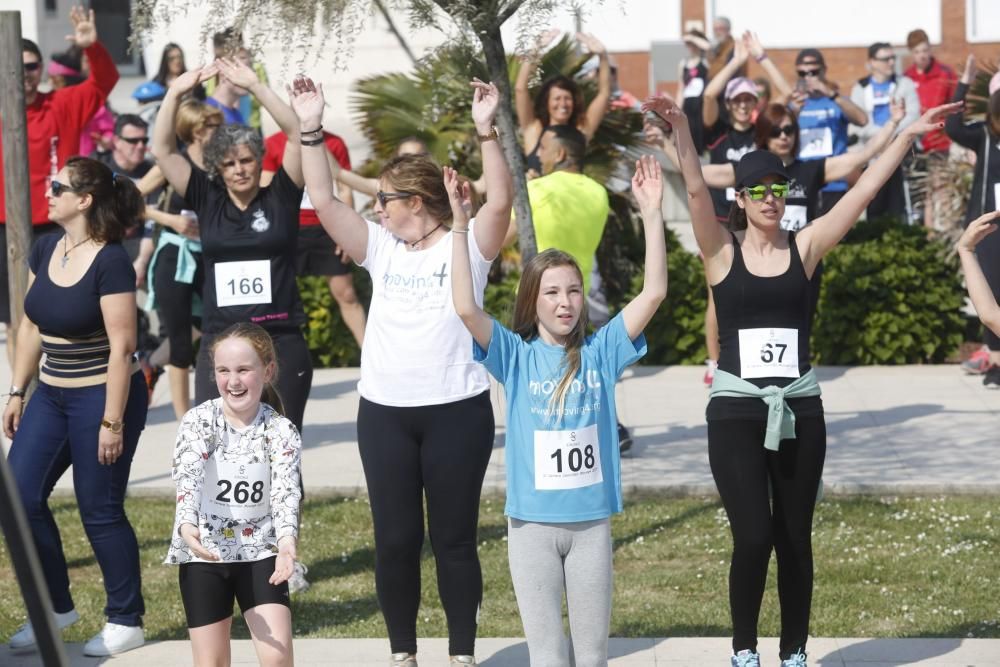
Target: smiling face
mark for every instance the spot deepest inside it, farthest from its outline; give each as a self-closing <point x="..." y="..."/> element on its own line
<point x="129" y="147"/>
<point x="766" y="213"/>
<point x="559" y="303"/>
<point x="240" y="376"/>
<point x="240" y="170"/>
<point x="741" y="108"/>
<point x="560" y="106"/>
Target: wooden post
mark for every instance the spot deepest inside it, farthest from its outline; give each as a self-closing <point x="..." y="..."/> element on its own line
<point x="13" y="521"/>
<point x="17" y="183"/>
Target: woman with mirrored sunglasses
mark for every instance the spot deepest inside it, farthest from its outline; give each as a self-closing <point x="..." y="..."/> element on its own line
<point x="766" y="429"/>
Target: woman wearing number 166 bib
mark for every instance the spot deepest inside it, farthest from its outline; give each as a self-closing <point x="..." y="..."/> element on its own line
<point x="765" y="418"/>
<point x="563" y="466"/>
<point x="249" y="233"/>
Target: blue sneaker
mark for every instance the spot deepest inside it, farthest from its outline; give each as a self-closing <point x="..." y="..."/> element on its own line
<point x="797" y="660"/>
<point x="745" y="658"/>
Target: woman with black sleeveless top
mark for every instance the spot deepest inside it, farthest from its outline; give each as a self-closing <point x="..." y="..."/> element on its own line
<point x="766" y="430"/>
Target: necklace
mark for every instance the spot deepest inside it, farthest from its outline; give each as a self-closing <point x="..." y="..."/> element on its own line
<point x="424" y="237"/>
<point x="67" y="251"/>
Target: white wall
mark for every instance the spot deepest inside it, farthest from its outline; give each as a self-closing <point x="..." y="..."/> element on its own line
<point x="826" y="23"/>
<point x="29" y="10"/>
<point x="982" y="20"/>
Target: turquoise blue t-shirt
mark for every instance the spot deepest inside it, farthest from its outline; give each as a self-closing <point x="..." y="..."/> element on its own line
<point x="563" y="467"/>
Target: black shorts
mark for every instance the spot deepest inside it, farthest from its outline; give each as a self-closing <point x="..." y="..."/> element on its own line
<point x="317" y="254"/>
<point x="208" y="589"/>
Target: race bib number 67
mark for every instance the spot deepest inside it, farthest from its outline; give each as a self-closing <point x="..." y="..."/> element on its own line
<point x="766" y="353"/>
<point x="567" y="459"/>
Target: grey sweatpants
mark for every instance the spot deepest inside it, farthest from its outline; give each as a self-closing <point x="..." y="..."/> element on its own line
<point x="547" y="559"/>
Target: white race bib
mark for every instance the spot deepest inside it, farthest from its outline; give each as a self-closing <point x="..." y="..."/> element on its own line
<point x="243" y="283"/>
<point x="694" y="88"/>
<point x="816" y="142"/>
<point x="730" y="194"/>
<point x="567" y="459"/>
<point x="766" y="353"/>
<point x="240" y="491"/>
<point x="794" y="218"/>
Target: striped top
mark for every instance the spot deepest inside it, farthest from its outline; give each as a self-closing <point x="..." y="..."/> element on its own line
<point x="70" y="320"/>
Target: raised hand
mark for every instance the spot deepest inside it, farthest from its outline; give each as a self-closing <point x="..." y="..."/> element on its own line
<point x="977" y="230"/>
<point x="192" y="537"/>
<point x="647" y="184"/>
<point x="307" y="100"/>
<point x="897" y="110"/>
<point x="740" y="52"/>
<point x="664" y="106"/>
<point x="84" y="27"/>
<point x="191" y="78"/>
<point x="933" y="119"/>
<point x="237" y="72"/>
<point x="485" y="101"/>
<point x="591" y="43"/>
<point x="753" y="45"/>
<point x="969" y="73"/>
<point x="653" y="133"/>
<point x="547" y="38"/>
<point x="458" y="193"/>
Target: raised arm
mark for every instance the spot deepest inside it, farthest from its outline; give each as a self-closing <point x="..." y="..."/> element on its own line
<point x="711" y="236"/>
<point x="523" y="104"/>
<point x="840" y="166"/>
<point x="979" y="290"/>
<point x="717" y="86"/>
<point x="175" y="166"/>
<point x="475" y="319"/>
<point x="715" y="175"/>
<point x="970" y="137"/>
<point x="647" y="187"/>
<point x="756" y="50"/>
<point x="818" y="239"/>
<point x="341" y="222"/>
<point x="349" y="179"/>
<point x="493" y="219"/>
<point x="598" y="107"/>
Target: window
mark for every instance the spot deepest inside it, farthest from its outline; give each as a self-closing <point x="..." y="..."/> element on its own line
<point x="982" y="21"/>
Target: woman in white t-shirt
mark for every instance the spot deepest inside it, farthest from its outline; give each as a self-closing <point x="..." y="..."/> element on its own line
<point x="425" y="424"/>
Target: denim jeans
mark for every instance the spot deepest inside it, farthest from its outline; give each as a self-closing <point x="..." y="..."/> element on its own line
<point x="60" y="428"/>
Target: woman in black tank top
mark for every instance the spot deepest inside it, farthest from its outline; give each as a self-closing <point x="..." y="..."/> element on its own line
<point x="766" y="432"/>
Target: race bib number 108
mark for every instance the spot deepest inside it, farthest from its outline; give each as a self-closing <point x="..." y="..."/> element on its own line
<point x="567" y="459"/>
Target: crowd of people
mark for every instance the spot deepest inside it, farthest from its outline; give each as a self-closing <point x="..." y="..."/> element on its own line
<point x="188" y="200"/>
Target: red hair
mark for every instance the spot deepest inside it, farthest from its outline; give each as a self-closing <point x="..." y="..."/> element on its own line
<point x="773" y="116"/>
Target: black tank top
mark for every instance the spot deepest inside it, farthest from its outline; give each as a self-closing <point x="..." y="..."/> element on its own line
<point x="531" y="160"/>
<point x="765" y="309"/>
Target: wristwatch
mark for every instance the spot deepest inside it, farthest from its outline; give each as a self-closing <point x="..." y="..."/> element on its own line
<point x="493" y="135"/>
<point x="835" y="95"/>
<point x="16" y="391"/>
<point x="113" y="426"/>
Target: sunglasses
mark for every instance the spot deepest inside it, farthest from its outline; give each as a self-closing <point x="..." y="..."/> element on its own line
<point x="887" y="59"/>
<point x="134" y="140"/>
<point x="32" y="67"/>
<point x="758" y="192"/>
<point x="58" y="188"/>
<point x="807" y="72"/>
<point x="386" y="197"/>
<point x="787" y="130"/>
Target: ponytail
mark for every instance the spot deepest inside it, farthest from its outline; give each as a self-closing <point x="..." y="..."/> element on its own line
<point x="116" y="201"/>
<point x="271" y="396"/>
<point x="737" y="220"/>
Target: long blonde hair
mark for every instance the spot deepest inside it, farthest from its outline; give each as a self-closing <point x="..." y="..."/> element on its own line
<point x="261" y="342"/>
<point x="526" y="317"/>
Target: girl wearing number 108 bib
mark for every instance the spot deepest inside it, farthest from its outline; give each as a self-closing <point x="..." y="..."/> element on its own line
<point x="237" y="471"/>
<point x="563" y="467"/>
<point x="766" y="430"/>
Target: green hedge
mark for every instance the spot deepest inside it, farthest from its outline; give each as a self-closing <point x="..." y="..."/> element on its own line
<point x="890" y="295"/>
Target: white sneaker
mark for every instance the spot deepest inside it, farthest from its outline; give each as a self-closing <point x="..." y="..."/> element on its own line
<point x="297" y="582"/>
<point x="114" y="638"/>
<point x="25" y="635"/>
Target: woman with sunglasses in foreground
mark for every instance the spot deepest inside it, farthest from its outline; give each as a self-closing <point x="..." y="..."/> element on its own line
<point x="425" y="423"/>
<point x="766" y="430"/>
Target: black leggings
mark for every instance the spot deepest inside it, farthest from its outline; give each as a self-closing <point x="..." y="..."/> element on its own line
<point x="173" y="302"/>
<point x="988" y="252"/>
<point x="742" y="469"/>
<point x="295" y="373"/>
<point x="441" y="451"/>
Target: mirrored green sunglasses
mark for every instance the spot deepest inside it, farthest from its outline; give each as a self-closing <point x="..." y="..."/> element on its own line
<point x="758" y="192"/>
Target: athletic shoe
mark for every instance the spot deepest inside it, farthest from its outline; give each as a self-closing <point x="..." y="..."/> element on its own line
<point x="797" y="660"/>
<point x="151" y="373"/>
<point x="114" y="639"/>
<point x="463" y="660"/>
<point x="403" y="660"/>
<point x="710" y="366"/>
<point x="624" y="439"/>
<point x="991" y="380"/>
<point x="297" y="582"/>
<point x="978" y="362"/>
<point x="25" y="635"/>
<point x="745" y="658"/>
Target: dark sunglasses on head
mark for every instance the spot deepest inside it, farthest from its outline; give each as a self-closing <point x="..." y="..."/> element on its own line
<point x="758" y="192"/>
<point x="59" y="188"/>
<point x="134" y="140"/>
<point x="32" y="67"/>
<point x="787" y="130"/>
<point x="386" y="197"/>
<point x="807" y="72"/>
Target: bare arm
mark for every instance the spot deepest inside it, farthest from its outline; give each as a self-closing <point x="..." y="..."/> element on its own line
<point x="523" y="103"/>
<point x="29" y="353"/>
<point x="598" y="107"/>
<point x="716" y="175"/>
<point x="756" y="49"/>
<point x="852" y="111"/>
<point x="647" y="187"/>
<point x="717" y="86"/>
<point x="152" y="181"/>
<point x="174" y="166"/>
<point x="840" y="166"/>
<point x="493" y="219"/>
<point x="348" y="179"/>
<point x="475" y="319"/>
<point x="975" y="281"/>
<point x="119" y="314"/>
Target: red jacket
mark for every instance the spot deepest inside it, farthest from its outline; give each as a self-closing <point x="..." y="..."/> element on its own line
<point x="55" y="121"/>
<point x="935" y="87"/>
<point x="274" y="152"/>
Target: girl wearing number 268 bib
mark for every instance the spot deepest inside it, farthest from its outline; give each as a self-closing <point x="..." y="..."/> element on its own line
<point x="766" y="430"/>
<point x="563" y="468"/>
<point x="236" y="466"/>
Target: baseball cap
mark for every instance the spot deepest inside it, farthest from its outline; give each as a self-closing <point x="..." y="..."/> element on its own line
<point x="810" y="54"/>
<point x="740" y="85"/>
<point x="149" y="91"/>
<point x="755" y="165"/>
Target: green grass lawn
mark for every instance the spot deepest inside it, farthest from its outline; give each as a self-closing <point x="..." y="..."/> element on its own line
<point x="886" y="567"/>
